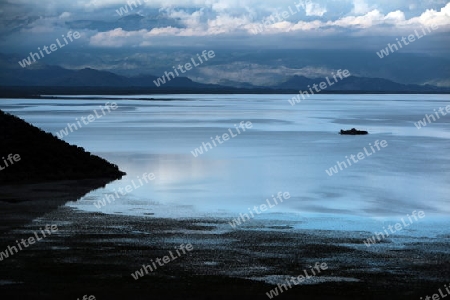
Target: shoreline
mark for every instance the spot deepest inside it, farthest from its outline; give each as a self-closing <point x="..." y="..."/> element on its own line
<point x="95" y="254"/>
<point x="42" y="92"/>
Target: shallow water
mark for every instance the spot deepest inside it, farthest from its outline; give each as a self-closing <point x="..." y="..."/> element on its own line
<point x="287" y="149"/>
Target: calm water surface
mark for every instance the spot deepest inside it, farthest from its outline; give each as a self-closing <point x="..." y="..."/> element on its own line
<point x="287" y="149"/>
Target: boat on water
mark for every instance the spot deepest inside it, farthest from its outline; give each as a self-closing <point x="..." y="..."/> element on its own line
<point x="353" y="131"/>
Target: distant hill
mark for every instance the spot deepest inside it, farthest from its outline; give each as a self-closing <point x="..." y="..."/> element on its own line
<point x="52" y="78"/>
<point x="361" y="84"/>
<point x="43" y="157"/>
<point x="43" y="75"/>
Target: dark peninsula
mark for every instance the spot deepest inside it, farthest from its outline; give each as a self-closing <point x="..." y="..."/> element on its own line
<point x="39" y="172"/>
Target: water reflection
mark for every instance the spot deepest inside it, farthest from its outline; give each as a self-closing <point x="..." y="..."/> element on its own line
<point x="288" y="149"/>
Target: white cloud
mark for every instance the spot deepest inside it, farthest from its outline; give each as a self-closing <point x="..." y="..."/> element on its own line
<point x="314" y="9"/>
<point x="257" y="74"/>
<point x="65" y="15"/>
<point x="360" y="7"/>
<point x="117" y="38"/>
<point x="200" y="24"/>
<point x="395" y="17"/>
<point x="370" y="19"/>
<point x="431" y="16"/>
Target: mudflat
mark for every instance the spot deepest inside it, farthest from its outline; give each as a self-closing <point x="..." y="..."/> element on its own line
<point x="96" y="253"/>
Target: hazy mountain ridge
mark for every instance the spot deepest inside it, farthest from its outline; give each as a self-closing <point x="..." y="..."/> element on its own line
<point x="247" y="68"/>
<point x="41" y="75"/>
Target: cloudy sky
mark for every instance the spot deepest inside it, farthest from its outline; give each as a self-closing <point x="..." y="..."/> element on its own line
<point x="116" y="24"/>
<point x="135" y="36"/>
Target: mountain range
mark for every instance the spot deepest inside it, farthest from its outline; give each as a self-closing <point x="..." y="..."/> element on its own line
<point x="41" y="75"/>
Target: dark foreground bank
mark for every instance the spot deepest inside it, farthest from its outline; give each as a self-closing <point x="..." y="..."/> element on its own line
<point x="29" y="154"/>
<point x="95" y="254"/>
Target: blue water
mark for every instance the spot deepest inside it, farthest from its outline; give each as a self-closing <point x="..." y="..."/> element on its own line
<point x="287" y="149"/>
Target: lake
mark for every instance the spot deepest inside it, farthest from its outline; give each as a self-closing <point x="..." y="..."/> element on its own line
<point x="286" y="149"/>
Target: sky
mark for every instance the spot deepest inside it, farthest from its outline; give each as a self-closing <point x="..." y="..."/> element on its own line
<point x="165" y="23"/>
<point x="148" y="36"/>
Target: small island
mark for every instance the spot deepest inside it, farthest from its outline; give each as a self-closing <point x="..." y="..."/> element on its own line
<point x="353" y="131"/>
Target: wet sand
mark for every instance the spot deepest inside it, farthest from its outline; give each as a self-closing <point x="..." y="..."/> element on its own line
<point x="95" y="254"/>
